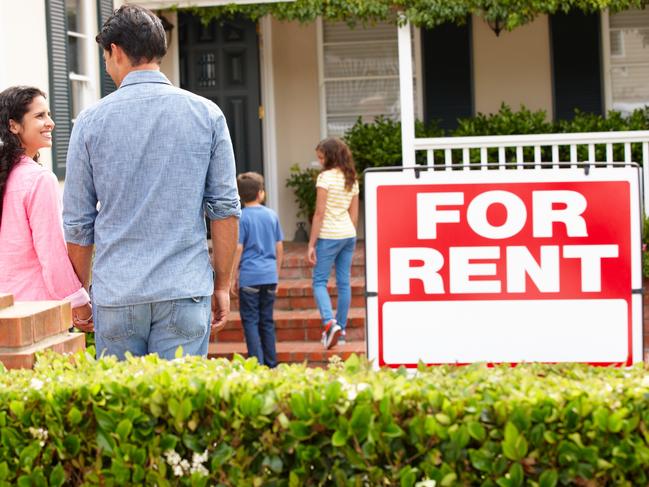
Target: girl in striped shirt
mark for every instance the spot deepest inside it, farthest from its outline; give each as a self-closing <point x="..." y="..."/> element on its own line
<point x="333" y="234"/>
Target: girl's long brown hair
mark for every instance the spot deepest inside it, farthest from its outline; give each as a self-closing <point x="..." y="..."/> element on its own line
<point x="337" y="154"/>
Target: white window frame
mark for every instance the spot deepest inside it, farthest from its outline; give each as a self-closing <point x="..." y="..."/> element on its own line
<point x="606" y="59"/>
<point x="419" y="102"/>
<point x="89" y="79"/>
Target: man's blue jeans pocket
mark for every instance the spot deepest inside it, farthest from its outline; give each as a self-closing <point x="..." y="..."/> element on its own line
<point x="190" y="317"/>
<point x="115" y="323"/>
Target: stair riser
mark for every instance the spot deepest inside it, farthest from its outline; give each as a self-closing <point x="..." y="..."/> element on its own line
<point x="300" y="260"/>
<point x="296" y="303"/>
<point x="288" y="335"/>
<point x="306" y="272"/>
<point x="304" y="323"/>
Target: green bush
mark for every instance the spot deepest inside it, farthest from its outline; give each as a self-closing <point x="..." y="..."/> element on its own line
<point x="303" y="184"/>
<point x="378" y="144"/>
<point x="212" y="422"/>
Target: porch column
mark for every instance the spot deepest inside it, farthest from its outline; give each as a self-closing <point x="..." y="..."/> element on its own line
<point x="406" y="95"/>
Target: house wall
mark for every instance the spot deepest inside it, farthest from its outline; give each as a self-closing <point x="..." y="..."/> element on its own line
<point x="23" y="49"/>
<point x="297" y="108"/>
<point x="170" y="64"/>
<point x="514" y="67"/>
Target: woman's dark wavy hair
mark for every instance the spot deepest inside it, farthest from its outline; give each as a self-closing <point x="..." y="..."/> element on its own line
<point x="14" y="104"/>
<point x="337" y="154"/>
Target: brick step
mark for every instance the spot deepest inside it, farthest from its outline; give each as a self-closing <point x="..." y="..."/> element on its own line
<point x="302" y="325"/>
<point x="298" y="294"/>
<point x="25" y="357"/>
<point x="234" y="335"/>
<point x="296" y="266"/>
<point x="6" y="300"/>
<point x="295" y="255"/>
<point x="300" y="272"/>
<point x="27" y="322"/>
<point x="293" y="352"/>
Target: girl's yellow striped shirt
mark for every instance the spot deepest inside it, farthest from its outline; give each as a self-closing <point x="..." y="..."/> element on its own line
<point x="337" y="223"/>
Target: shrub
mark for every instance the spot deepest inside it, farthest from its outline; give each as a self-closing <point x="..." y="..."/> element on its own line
<point x="378" y="144"/>
<point x="303" y="184"/>
<point x="197" y="422"/>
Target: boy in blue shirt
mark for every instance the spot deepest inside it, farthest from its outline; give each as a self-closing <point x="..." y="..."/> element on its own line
<point x="258" y="260"/>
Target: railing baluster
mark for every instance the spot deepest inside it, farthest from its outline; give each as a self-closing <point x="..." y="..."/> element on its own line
<point x="609" y="153"/>
<point x="555" y="154"/>
<point x="519" y="157"/>
<point x="591" y="153"/>
<point x="430" y="157"/>
<point x="627" y="152"/>
<point x="448" y="158"/>
<point x="573" y="154"/>
<point x="484" y="158"/>
<point x="501" y="157"/>
<point x="466" y="156"/>
<point x="537" y="156"/>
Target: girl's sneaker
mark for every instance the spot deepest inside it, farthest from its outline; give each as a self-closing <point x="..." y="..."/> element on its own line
<point x="342" y="339"/>
<point x="330" y="334"/>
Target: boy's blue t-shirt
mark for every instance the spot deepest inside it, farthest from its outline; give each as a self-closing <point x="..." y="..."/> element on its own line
<point x="259" y="232"/>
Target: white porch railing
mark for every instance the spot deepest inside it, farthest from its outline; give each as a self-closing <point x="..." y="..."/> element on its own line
<point x="573" y="149"/>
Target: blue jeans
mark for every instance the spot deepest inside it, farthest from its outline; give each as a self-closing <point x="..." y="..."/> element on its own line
<point x="256" y="310"/>
<point x="329" y="252"/>
<point x="159" y="328"/>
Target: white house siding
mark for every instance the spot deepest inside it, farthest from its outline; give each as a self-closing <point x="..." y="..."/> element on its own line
<point x="513" y="68"/>
<point x="170" y="64"/>
<point x="23" y="49"/>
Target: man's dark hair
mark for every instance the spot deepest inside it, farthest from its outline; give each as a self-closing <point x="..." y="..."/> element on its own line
<point x="137" y="31"/>
<point x="250" y="184"/>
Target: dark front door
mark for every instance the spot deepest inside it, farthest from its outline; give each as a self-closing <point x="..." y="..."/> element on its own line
<point x="220" y="61"/>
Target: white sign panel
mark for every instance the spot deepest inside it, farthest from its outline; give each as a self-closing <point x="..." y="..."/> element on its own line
<point x="503" y="266"/>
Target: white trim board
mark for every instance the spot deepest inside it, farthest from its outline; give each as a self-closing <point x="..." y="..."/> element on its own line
<point x="268" y="123"/>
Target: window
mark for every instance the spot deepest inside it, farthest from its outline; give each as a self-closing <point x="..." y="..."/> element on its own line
<point x="628" y="63"/>
<point x="74" y="66"/>
<point x="359" y="74"/>
<point x="82" y="57"/>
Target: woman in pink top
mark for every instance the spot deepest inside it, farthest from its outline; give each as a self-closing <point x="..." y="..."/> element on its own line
<point x="34" y="262"/>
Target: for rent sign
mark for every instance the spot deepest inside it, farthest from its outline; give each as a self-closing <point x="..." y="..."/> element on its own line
<point x="504" y="266"/>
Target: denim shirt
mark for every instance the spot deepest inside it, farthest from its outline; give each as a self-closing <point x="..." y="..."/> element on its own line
<point x="145" y="164"/>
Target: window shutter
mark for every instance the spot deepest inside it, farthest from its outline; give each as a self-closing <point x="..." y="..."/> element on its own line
<point x="447" y="73"/>
<point x="104" y="10"/>
<point x="576" y="64"/>
<point x="59" y="82"/>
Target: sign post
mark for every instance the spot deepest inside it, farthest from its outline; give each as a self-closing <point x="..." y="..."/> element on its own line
<point x="503" y="266"/>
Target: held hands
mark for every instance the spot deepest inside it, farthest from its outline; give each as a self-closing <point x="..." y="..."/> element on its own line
<point x="82" y="318"/>
<point x="220" y="309"/>
<point x="311" y="256"/>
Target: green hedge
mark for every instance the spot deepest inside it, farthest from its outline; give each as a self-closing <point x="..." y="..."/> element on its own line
<point x="378" y="143"/>
<point x="213" y="422"/>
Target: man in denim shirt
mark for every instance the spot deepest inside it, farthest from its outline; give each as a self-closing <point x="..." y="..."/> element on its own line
<point x="144" y="165"/>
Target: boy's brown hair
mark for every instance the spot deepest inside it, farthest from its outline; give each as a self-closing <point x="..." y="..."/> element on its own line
<point x="249" y="184"/>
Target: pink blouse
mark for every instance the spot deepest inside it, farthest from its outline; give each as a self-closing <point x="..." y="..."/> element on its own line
<point x="34" y="263"/>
